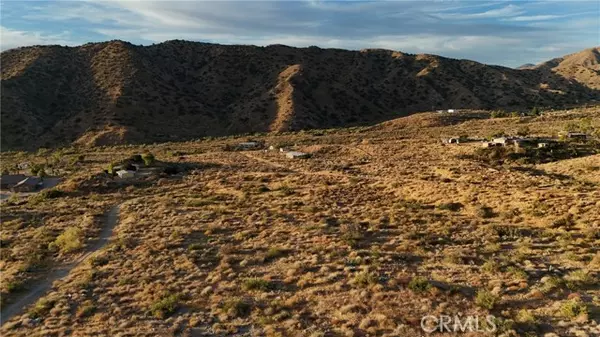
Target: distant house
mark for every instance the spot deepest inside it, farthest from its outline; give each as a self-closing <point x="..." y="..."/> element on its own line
<point x="297" y="155"/>
<point x="248" y="145"/>
<point x="576" y="135"/>
<point x="452" y="110"/>
<point x="28" y="184"/>
<point x="7" y="181"/>
<point x="489" y="144"/>
<point x="543" y="144"/>
<point x="451" y="140"/>
<point x="271" y="147"/>
<point x="502" y="141"/>
<point x="125" y="174"/>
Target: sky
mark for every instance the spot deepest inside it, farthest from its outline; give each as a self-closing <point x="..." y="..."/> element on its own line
<point x="508" y="33"/>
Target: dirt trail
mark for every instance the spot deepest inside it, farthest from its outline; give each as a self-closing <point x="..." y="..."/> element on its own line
<point x="37" y="289"/>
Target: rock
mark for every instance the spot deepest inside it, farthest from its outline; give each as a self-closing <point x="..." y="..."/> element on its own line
<point x="535" y="294"/>
<point x="583" y="318"/>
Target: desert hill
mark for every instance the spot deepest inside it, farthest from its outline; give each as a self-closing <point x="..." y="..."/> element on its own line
<point x="583" y="67"/>
<point x="116" y="92"/>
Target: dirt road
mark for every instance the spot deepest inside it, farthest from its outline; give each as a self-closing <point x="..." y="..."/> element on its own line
<point x="37" y="289"/>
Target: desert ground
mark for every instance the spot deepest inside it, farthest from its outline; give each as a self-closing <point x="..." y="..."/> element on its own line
<point x="381" y="226"/>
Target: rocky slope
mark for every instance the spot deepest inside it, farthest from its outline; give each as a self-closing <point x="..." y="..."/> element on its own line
<point x="116" y="92"/>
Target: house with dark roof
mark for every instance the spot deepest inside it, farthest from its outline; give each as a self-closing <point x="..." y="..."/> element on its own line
<point x="28" y="184"/>
<point x="7" y="181"/>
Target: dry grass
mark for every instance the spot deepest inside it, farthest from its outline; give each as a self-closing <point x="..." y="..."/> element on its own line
<point x="344" y="243"/>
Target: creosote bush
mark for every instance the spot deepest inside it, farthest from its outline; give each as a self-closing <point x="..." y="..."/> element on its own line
<point x="485" y="299"/>
<point x="257" y="284"/>
<point x="365" y="278"/>
<point x="41" y="308"/>
<point x="237" y="307"/>
<point x="70" y="240"/>
<point x="419" y="284"/>
<point x="573" y="308"/>
<point x="165" y="306"/>
<point x="148" y="159"/>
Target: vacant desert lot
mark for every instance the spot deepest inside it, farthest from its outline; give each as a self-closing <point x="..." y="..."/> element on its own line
<point x="381" y="226"/>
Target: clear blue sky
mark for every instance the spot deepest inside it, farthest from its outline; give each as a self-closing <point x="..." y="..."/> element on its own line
<point x="508" y="33"/>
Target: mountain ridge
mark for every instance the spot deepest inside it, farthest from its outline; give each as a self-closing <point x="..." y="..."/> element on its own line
<point x="116" y="92"/>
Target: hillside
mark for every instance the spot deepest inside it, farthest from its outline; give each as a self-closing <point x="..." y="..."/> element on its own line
<point x="116" y="92"/>
<point x="583" y="67"/>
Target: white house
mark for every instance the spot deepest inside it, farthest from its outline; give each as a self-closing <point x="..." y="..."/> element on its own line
<point x="502" y="141"/>
<point x="451" y="110"/>
<point x="125" y="174"/>
<point x="297" y="155"/>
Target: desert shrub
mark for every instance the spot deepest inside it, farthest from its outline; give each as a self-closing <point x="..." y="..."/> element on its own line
<point x="45" y="194"/>
<point x="148" y="158"/>
<point x="330" y="222"/>
<point x="484" y="212"/>
<point x="525" y="316"/>
<point x="70" y="240"/>
<point x="36" y="168"/>
<point x="136" y="158"/>
<point x="573" y="308"/>
<point x="237" y="307"/>
<point x="485" y="299"/>
<point x="273" y="253"/>
<point x="256" y="284"/>
<point x="579" y="278"/>
<point x="351" y="234"/>
<point x="13" y="199"/>
<point x="516" y="273"/>
<point x="490" y="267"/>
<point x="41" y="308"/>
<point x="110" y="169"/>
<point x="196" y="246"/>
<point x="365" y="278"/>
<point x="499" y="114"/>
<point x="86" y="309"/>
<point x="566" y="221"/>
<point x="14" y="286"/>
<point x="263" y="189"/>
<point x="165" y="306"/>
<point x="419" y="284"/>
<point x="286" y="190"/>
<point x="451" y="206"/>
